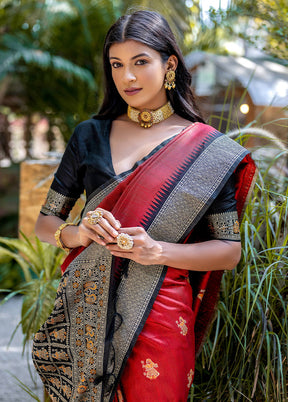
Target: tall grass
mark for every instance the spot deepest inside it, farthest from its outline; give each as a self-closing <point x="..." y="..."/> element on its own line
<point x="245" y="356"/>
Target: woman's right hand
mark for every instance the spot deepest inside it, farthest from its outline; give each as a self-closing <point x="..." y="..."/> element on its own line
<point x="103" y="232"/>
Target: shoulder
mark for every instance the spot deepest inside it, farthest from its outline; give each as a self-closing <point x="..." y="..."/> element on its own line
<point x="88" y="130"/>
<point x="93" y="125"/>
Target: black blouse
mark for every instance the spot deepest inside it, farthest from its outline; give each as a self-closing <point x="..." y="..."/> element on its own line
<point x="87" y="165"/>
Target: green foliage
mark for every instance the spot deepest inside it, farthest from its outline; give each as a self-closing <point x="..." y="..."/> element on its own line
<point x="263" y="23"/>
<point x="245" y="356"/>
<point x="40" y="267"/>
<point x="10" y="275"/>
<point x="53" y="52"/>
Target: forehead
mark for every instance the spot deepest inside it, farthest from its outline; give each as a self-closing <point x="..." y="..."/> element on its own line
<point x="131" y="48"/>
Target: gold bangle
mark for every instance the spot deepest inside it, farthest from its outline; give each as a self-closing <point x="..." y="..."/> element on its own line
<point x="57" y="236"/>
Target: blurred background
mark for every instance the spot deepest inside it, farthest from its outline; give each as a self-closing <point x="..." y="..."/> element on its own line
<point x="51" y="79"/>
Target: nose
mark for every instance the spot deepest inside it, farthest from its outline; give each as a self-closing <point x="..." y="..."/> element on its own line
<point x="129" y="75"/>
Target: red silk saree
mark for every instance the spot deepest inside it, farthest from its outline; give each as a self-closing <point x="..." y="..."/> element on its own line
<point x="100" y="326"/>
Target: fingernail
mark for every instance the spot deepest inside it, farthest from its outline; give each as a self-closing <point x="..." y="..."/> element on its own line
<point x="115" y="233"/>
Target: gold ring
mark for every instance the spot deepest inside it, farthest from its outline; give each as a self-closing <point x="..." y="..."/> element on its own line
<point x="125" y="241"/>
<point x="95" y="217"/>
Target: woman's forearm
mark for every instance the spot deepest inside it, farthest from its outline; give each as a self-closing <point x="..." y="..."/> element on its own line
<point x="46" y="227"/>
<point x="210" y="255"/>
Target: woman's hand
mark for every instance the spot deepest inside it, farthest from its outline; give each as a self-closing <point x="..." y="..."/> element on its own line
<point x="104" y="231"/>
<point x="145" y="250"/>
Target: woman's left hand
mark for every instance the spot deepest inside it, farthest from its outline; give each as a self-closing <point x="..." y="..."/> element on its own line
<point x="145" y="250"/>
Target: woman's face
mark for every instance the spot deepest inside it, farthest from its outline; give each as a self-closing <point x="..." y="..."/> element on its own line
<point x="138" y="73"/>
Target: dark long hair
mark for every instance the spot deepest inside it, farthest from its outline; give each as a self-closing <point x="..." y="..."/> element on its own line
<point x="151" y="29"/>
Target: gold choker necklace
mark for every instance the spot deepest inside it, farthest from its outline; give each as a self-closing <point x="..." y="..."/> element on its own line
<point x="146" y="118"/>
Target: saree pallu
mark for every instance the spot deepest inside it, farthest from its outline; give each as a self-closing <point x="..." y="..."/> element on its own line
<point x="82" y="349"/>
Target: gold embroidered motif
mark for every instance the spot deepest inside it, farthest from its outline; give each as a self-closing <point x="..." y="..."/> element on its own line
<point x="55" y="320"/>
<point x="182" y="325"/>
<point x="90" y="296"/>
<point x="55" y="381"/>
<point x="224" y="226"/>
<point x="81" y="389"/>
<point x="90" y="286"/>
<point x="60" y="356"/>
<point x="67" y="390"/>
<point x="150" y="369"/>
<point x="48" y="368"/>
<point x="66" y="370"/>
<point x="42" y="354"/>
<point x="80" y="332"/>
<point x="58" y="303"/>
<point x="236" y="227"/>
<point x="201" y="294"/>
<point x="85" y="339"/>
<point x="58" y="204"/>
<point x="190" y="377"/>
<point x="61" y="334"/>
<point x="90" y="299"/>
<point x="89" y="345"/>
<point x="89" y="331"/>
<point x="40" y="337"/>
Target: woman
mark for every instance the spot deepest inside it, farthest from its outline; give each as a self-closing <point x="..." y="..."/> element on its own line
<point x="161" y="213"/>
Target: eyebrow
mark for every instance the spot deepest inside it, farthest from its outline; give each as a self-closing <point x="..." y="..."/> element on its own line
<point x="132" y="58"/>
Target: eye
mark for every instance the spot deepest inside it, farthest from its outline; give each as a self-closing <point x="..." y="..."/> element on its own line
<point x="116" y="64"/>
<point x="141" y="62"/>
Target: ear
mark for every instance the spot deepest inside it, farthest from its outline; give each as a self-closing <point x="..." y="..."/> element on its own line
<point x="172" y="63"/>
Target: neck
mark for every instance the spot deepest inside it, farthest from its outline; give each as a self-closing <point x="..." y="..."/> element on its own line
<point x="146" y="118"/>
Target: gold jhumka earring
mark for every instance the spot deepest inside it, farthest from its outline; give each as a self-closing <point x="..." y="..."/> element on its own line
<point x="170" y="80"/>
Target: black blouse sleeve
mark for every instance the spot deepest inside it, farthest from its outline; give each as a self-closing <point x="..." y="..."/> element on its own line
<point x="221" y="220"/>
<point x="67" y="185"/>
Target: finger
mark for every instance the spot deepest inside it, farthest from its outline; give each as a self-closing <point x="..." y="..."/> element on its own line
<point x="132" y="231"/>
<point x="91" y="234"/>
<point x="113" y="247"/>
<point x="107" y="221"/>
<point x="111" y="219"/>
<point x="122" y="254"/>
<point x="106" y="226"/>
<point x="104" y="233"/>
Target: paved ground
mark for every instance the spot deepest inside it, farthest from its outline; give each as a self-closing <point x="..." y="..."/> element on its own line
<point x="11" y="360"/>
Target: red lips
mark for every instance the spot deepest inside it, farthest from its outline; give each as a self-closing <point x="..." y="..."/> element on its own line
<point x="132" y="91"/>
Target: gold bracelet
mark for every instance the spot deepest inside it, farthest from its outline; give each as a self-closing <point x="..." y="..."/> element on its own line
<point x="57" y="236"/>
